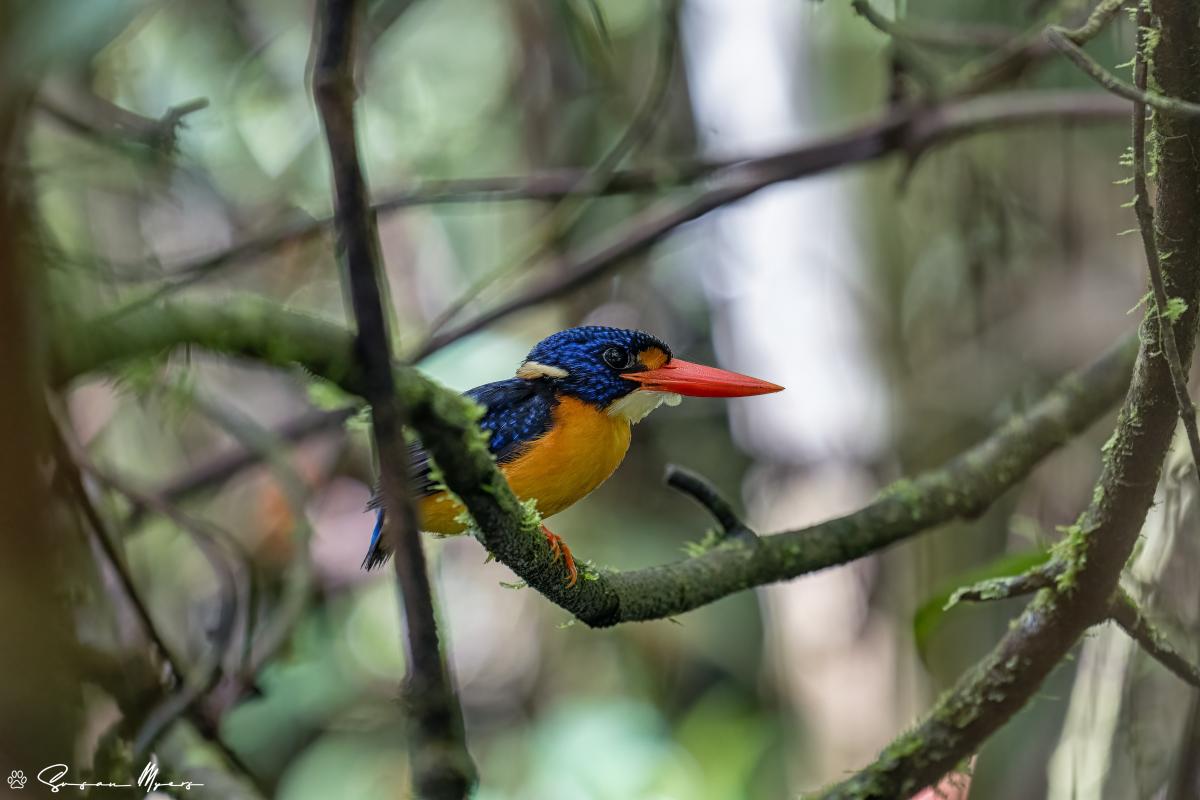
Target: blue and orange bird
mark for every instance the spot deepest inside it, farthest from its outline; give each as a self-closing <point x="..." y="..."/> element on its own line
<point x="562" y="425"/>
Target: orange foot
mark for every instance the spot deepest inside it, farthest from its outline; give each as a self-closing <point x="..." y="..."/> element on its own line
<point x="561" y="551"/>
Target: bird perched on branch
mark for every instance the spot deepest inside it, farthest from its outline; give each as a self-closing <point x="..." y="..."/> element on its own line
<point x="562" y="425"/>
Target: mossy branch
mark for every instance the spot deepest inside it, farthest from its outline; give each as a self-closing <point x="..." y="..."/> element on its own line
<point x="1125" y="612"/>
<point x="962" y="488"/>
<point x="1100" y="16"/>
<point x="1103" y="538"/>
<point x="1145" y="218"/>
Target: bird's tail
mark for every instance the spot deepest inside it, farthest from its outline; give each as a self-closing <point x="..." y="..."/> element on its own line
<point x="377" y="552"/>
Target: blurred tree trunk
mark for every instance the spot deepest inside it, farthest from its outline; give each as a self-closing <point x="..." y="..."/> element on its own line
<point x="40" y="704"/>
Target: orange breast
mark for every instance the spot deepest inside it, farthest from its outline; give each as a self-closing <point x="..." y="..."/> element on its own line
<point x="582" y="448"/>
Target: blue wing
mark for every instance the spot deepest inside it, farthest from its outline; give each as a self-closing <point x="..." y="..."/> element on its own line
<point x="516" y="412"/>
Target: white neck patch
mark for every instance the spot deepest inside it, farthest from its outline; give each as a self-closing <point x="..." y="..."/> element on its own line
<point x="637" y="404"/>
<point x="532" y="370"/>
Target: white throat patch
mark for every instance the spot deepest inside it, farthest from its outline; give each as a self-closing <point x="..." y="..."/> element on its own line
<point x="637" y="404"/>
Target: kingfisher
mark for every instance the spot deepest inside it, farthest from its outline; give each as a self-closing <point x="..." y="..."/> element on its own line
<point x="562" y="425"/>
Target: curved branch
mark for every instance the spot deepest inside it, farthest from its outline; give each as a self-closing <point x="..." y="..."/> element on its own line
<point x="699" y="489"/>
<point x="962" y="488"/>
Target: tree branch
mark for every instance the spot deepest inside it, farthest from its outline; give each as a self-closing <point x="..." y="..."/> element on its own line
<point x="945" y="36"/>
<point x="1100" y="542"/>
<point x="1059" y="39"/>
<point x="704" y="493"/>
<point x="445" y="422"/>
<point x="1145" y="218"/>
<point x="1040" y="577"/>
<point x="910" y="130"/>
<point x="440" y="763"/>
<point x="1125" y="612"/>
<point x="1101" y="15"/>
<point x="112" y="125"/>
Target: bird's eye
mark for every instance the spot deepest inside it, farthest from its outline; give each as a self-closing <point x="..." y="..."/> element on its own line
<point x="617" y="358"/>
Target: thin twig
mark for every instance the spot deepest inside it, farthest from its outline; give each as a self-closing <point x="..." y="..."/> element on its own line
<point x="76" y="458"/>
<point x="1059" y="40"/>
<point x="1010" y="61"/>
<point x="1145" y="217"/>
<point x="909" y="130"/>
<point x="258" y="649"/>
<point x="871" y="140"/>
<point x="113" y="125"/>
<point x="216" y="471"/>
<point x="703" y="492"/>
<point x="1101" y="15"/>
<point x="946" y="36"/>
<point x="440" y="762"/>
<point x="564" y="216"/>
<point x="1125" y="612"/>
<point x="208" y="541"/>
<point x="1040" y="577"/>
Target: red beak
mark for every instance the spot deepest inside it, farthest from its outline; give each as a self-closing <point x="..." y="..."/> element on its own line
<point x="697" y="380"/>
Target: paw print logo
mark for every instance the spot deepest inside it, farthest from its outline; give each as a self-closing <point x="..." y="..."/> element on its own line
<point x="16" y="780"/>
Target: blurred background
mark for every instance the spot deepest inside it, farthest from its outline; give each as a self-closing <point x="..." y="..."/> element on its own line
<point x="908" y="307"/>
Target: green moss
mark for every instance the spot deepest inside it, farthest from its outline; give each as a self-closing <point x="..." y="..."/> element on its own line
<point x="1176" y="306"/>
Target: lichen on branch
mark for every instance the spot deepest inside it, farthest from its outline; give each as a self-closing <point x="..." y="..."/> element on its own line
<point x="962" y="488"/>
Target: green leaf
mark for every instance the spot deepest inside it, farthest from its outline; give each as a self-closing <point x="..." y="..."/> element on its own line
<point x="933" y="612"/>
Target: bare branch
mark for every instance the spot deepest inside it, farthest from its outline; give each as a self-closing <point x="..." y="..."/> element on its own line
<point x="112" y="125"/>
<point x="910" y="130"/>
<point x="698" y="488"/>
<point x="1125" y="612"/>
<point x="945" y="36"/>
<point x="440" y="763"/>
<point x="1059" y="39"/>
<point x="191" y="689"/>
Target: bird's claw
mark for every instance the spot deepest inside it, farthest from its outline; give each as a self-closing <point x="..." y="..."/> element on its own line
<point x="563" y="553"/>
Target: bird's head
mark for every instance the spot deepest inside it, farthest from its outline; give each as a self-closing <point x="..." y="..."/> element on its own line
<point x="628" y="373"/>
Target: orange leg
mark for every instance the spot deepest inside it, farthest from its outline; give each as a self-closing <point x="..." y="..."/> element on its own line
<point x="561" y="551"/>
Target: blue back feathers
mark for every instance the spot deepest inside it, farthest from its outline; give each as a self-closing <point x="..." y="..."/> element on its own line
<point x="520" y="410"/>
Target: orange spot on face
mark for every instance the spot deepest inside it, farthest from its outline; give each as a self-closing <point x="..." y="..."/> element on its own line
<point x="652" y="357"/>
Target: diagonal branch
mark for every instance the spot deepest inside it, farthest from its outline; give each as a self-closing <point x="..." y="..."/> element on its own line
<point x="1125" y="612"/>
<point x="441" y="766"/>
<point x="962" y="488"/>
<point x="1059" y="39"/>
<point x="909" y="130"/>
